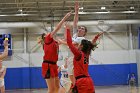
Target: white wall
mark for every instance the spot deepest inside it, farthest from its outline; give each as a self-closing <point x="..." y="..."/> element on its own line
<point x="116" y="39"/>
<point x="96" y="58"/>
<point x="113" y="47"/>
<point x="113" y="57"/>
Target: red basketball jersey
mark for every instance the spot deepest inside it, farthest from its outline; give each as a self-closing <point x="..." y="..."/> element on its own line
<point x="51" y="49"/>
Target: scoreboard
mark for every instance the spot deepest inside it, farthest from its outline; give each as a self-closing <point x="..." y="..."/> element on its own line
<point x="6" y="37"/>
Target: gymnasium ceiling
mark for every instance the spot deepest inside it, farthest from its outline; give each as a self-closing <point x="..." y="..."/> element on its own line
<point x="53" y="10"/>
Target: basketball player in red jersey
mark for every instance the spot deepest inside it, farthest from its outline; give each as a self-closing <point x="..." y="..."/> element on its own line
<point x="79" y="33"/>
<point x="49" y="66"/>
<point x="84" y="83"/>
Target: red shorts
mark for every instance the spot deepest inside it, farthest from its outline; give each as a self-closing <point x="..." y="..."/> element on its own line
<point x="85" y="85"/>
<point x="53" y="70"/>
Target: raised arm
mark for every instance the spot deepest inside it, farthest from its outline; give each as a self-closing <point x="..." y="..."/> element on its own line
<point x="74" y="50"/>
<point x="5" y="53"/>
<point x="96" y="38"/>
<point x="60" y="24"/>
<point x="3" y="73"/>
<point x="76" y="16"/>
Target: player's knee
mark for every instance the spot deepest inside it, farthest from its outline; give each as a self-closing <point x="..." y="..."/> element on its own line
<point x="51" y="91"/>
<point x="57" y="87"/>
<point x="57" y="84"/>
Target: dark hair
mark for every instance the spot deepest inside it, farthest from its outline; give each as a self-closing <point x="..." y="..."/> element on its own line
<point x="87" y="46"/>
<point x="132" y="73"/>
<point x="43" y="36"/>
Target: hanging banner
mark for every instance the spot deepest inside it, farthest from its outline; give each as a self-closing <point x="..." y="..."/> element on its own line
<point x="6" y="37"/>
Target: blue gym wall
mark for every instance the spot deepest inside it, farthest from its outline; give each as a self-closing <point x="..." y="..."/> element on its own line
<point x="103" y="75"/>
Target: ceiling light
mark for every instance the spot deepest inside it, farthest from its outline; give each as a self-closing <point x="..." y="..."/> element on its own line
<point x="3" y="15"/>
<point x="103" y="8"/>
<point x="21" y="14"/>
<point x="131" y="7"/>
<point x="108" y="12"/>
<point x="129" y="12"/>
<point x="18" y="15"/>
<point x="81" y="8"/>
<point x="94" y="12"/>
<point x="20" y="10"/>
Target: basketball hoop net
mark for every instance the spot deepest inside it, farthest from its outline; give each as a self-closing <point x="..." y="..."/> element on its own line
<point x="102" y="26"/>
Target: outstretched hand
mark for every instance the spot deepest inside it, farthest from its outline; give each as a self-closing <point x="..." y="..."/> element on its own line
<point x="60" y="23"/>
<point x="5" y="43"/>
<point x="99" y="34"/>
<point x="67" y="25"/>
<point x="76" y="6"/>
<point x="68" y="15"/>
<point x="96" y="38"/>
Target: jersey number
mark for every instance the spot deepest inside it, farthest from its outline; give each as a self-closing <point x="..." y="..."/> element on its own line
<point x="85" y="60"/>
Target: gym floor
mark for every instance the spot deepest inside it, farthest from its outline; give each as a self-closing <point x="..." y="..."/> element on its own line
<point x="99" y="89"/>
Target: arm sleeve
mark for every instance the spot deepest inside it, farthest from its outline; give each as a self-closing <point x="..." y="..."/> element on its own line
<point x="96" y="38"/>
<point x="74" y="50"/>
<point x="48" y="39"/>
